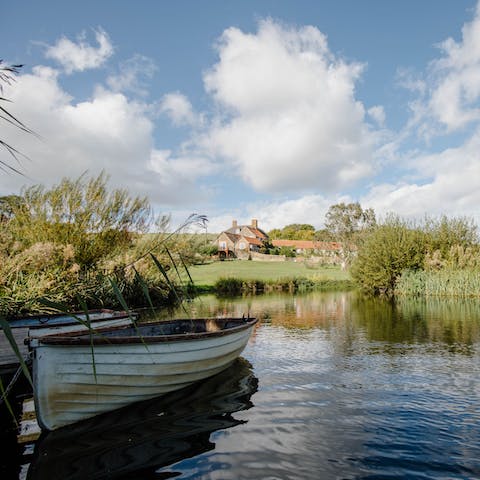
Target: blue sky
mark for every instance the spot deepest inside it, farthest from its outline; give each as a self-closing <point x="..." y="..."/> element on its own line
<point x="272" y="110"/>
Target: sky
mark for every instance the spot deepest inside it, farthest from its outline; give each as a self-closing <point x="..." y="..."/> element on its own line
<point x="273" y="110"/>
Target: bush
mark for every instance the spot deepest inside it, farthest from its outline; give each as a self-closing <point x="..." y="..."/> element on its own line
<point x="387" y="251"/>
<point x="229" y="286"/>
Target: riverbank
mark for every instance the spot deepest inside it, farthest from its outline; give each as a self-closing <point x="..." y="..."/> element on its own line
<point x="242" y="276"/>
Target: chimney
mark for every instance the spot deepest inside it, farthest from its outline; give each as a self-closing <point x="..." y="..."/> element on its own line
<point x="234" y="224"/>
<point x="254" y="223"/>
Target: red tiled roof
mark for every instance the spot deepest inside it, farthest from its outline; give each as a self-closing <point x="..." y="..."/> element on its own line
<point x="255" y="231"/>
<point x="253" y="241"/>
<point x="259" y="233"/>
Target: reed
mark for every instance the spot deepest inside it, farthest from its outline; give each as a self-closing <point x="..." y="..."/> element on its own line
<point x="440" y="283"/>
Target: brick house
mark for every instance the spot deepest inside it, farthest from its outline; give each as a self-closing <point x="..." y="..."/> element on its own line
<point x="239" y="240"/>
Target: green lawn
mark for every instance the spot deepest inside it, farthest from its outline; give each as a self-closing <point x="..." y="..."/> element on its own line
<point x="207" y="275"/>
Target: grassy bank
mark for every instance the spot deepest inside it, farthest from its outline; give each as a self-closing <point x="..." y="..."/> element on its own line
<point x="235" y="277"/>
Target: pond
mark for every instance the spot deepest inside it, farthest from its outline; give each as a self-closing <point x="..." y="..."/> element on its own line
<point x="331" y="386"/>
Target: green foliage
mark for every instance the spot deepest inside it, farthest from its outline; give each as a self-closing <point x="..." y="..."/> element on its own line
<point x="437" y="257"/>
<point x="228" y="286"/>
<point x="81" y="213"/>
<point x="324" y="235"/>
<point x="289" y="252"/>
<point x="68" y="242"/>
<point x="208" y="250"/>
<point x="387" y="251"/>
<point x="294" y="231"/>
<point x="444" y="233"/>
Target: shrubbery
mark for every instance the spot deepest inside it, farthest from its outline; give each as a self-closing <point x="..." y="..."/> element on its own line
<point x="397" y="255"/>
<point x="64" y="243"/>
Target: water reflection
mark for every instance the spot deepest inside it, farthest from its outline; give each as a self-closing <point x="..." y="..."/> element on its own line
<point x="354" y="388"/>
<point x="349" y="387"/>
<point x="138" y="440"/>
<point x="405" y="320"/>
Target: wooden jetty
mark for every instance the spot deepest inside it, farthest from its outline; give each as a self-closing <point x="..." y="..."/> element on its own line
<point x="29" y="428"/>
<point x="29" y="432"/>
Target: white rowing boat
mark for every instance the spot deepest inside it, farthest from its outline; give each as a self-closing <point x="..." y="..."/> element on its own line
<point x="79" y="376"/>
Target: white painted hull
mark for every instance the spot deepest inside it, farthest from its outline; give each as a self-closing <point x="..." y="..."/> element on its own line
<point x="67" y="390"/>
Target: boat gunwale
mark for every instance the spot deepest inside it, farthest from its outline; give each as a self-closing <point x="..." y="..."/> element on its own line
<point x="96" y="338"/>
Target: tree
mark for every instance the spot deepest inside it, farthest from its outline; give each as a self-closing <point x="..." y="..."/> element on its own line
<point x="294" y="231"/>
<point x="387" y="251"/>
<point x="324" y="235"/>
<point x="345" y="220"/>
<point x="346" y="223"/>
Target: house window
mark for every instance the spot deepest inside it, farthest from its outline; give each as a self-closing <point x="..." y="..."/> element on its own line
<point x="241" y="245"/>
<point x="222" y="245"/>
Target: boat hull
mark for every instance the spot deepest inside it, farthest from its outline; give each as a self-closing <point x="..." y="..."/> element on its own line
<point x="71" y="383"/>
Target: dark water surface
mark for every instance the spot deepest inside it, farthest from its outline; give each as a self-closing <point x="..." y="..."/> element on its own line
<point x="331" y="386"/>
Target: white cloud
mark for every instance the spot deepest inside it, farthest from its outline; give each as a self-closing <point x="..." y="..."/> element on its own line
<point x="290" y="118"/>
<point x="132" y="75"/>
<point x="179" y="109"/>
<point x="177" y="175"/>
<point x="449" y="185"/>
<point x="107" y="132"/>
<point x="378" y="114"/>
<point x="80" y="56"/>
<point x="452" y="98"/>
<point x="309" y="209"/>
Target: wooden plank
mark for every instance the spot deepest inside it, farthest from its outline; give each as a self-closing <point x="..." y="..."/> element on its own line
<point x="29" y="428"/>
<point x="8" y="360"/>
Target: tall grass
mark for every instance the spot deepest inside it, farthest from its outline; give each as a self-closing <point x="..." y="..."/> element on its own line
<point x="440" y="283"/>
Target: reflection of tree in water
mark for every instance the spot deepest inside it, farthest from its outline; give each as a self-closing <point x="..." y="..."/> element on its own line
<point x="350" y="319"/>
<point x="138" y="440"/>
<point x="308" y="310"/>
<point x="454" y="322"/>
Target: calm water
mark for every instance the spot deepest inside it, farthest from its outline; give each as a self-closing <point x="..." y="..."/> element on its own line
<point x="331" y="386"/>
